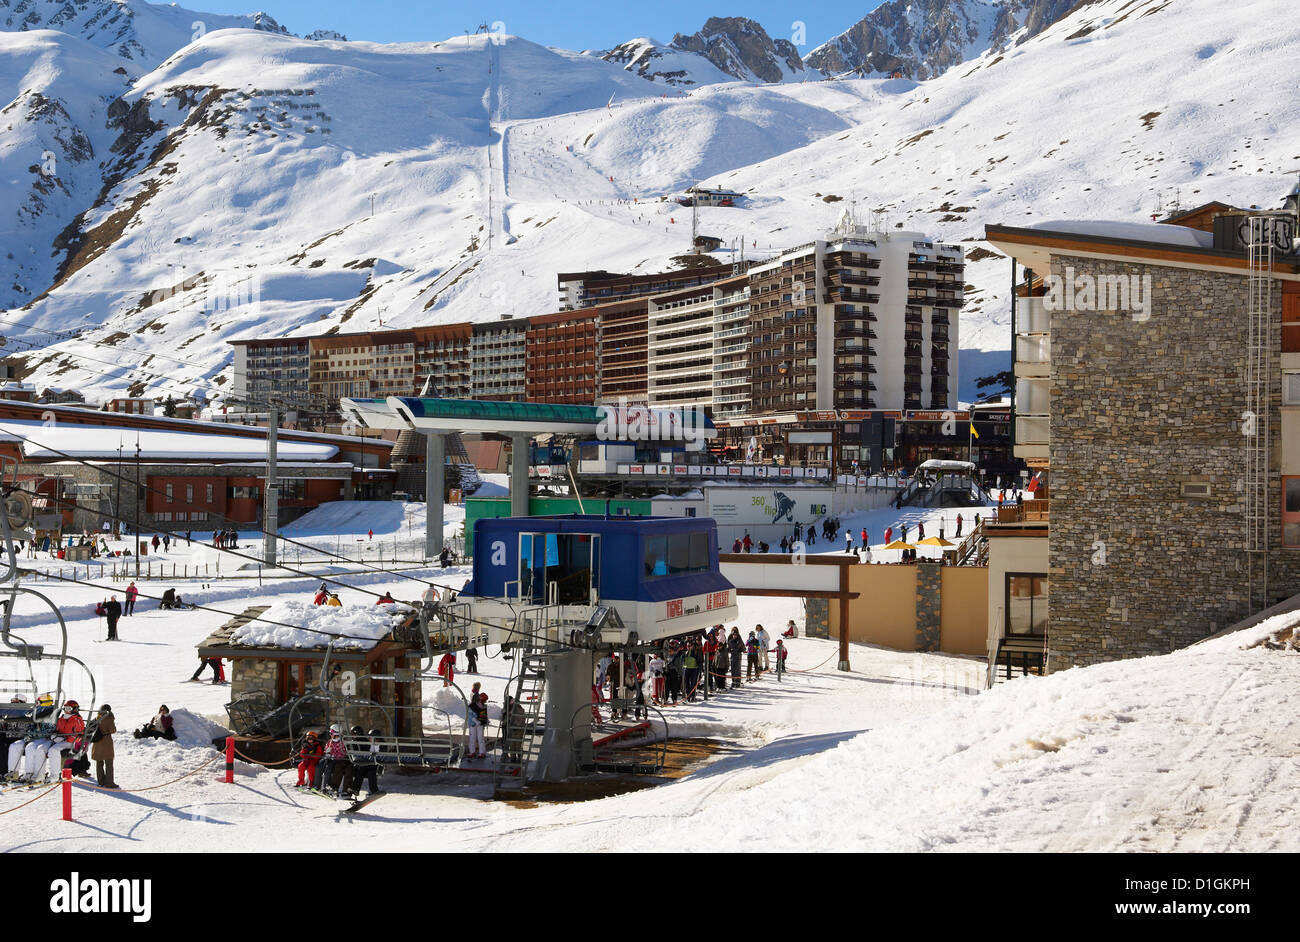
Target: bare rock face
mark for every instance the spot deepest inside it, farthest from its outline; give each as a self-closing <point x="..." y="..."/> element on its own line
<point x="924" y="38"/>
<point x="741" y="48"/>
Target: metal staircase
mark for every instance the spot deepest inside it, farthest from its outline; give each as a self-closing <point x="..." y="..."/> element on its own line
<point x="523" y="720"/>
<point x="459" y="458"/>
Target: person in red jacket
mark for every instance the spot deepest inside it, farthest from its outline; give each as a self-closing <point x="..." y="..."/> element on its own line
<point x="67" y="735"/>
<point x="132" y="593"/>
<point x="385" y="599"/>
<point x="309" y="754"/>
<point x="322" y="595"/>
<point x="447" y="668"/>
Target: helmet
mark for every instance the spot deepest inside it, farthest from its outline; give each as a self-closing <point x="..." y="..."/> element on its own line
<point x="355" y="731"/>
<point x="374" y="732"/>
<point x="311" y="734"/>
<point x="71" y="705"/>
<point x="105" y="708"/>
<point x="336" y="730"/>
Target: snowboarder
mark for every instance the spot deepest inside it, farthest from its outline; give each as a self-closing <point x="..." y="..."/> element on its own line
<point x="112" y="611"/>
<point x="132" y="593"/>
<point x="365" y="771"/>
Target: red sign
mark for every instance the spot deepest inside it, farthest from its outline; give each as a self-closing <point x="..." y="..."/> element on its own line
<point x="733" y="472"/>
<point x="674" y="608"/>
<point x="635" y="469"/>
<point x="717" y="600"/>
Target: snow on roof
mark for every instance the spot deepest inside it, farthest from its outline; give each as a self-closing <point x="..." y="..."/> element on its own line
<point x="60" y="440"/>
<point x="1132" y="231"/>
<point x="364" y="625"/>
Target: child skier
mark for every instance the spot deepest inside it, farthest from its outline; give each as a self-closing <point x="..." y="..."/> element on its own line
<point x="309" y="754"/>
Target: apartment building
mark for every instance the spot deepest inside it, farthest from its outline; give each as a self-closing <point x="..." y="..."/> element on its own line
<point x="374" y="364"/>
<point x="563" y="363"/>
<point x="857" y="320"/>
<point x="622" y="335"/>
<point x="497" y="355"/>
<point x="1158" y="384"/>
<point x="579" y="290"/>
<point x="263" y="368"/>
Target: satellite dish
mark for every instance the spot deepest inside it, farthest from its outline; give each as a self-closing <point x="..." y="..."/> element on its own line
<point x="18" y="508"/>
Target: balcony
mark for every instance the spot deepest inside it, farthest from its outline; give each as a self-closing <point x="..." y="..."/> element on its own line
<point x="854" y="382"/>
<point x="912" y="315"/>
<point x="1033" y="356"/>
<point x="860" y="347"/>
<point x="849" y="401"/>
<point x="938" y="352"/>
<point x="846" y="330"/>
<point x="939" y="317"/>
<point x="843" y="312"/>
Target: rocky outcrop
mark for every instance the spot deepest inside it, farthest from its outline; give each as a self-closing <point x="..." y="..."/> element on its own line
<point x="924" y="38"/>
<point x="742" y="49"/>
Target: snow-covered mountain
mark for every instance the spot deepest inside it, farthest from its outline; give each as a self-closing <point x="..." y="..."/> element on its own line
<point x="659" y="63"/>
<point x="143" y="33"/>
<point x="256" y="184"/>
<point x="741" y="48"/>
<point x="924" y="38"/>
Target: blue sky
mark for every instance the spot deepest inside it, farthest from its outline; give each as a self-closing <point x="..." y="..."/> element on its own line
<point x="570" y="24"/>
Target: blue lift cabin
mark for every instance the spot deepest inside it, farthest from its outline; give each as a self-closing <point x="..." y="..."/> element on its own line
<point x="560" y="592"/>
<point x="620" y="580"/>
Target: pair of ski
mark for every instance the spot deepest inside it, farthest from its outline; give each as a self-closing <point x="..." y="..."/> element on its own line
<point x="354" y="805"/>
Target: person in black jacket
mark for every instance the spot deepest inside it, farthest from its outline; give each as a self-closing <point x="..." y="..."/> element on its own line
<point x="736" y="647"/>
<point x="113" y="611"/>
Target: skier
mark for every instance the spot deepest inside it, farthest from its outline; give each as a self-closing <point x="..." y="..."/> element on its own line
<point x="212" y="662"/>
<point x="478" y="721"/>
<point x="36" y="736"/>
<point x="781" y="652"/>
<point x="751" y="661"/>
<point x="889" y="532"/>
<point x="656" y="667"/>
<point x="156" y="542"/>
<point x="113" y="611"/>
<point x="764" y="639"/>
<point x="735" y="647"/>
<point x="920" y="530"/>
<point x="131" y="594"/>
<point x="812" y="535"/>
<point x="959" y="522"/>
<point x="335" y="759"/>
<point x="447" y="668"/>
<point x="67" y="729"/>
<point x="865" y="538"/>
<point x="309" y="753"/>
<point x="691" y="670"/>
<point x="471" y="656"/>
<point x="371" y="534"/>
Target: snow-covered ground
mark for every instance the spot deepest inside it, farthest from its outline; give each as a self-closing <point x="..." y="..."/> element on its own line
<point x="1190" y="751"/>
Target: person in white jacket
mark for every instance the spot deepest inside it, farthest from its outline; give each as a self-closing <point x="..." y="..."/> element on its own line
<point x="656" y="669"/>
<point x="764" y="639"/>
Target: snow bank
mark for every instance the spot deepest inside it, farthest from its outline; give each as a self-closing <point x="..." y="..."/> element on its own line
<point x="317" y="624"/>
<point x="194" y="730"/>
<point x="1136" y="231"/>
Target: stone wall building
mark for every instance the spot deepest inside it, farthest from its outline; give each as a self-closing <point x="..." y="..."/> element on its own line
<point x="1133" y="402"/>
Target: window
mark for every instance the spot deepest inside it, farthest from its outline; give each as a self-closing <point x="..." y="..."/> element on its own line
<point x="1291" y="511"/>
<point x="1026" y="604"/>
<point x="209" y="493"/>
<point x="189" y="493"/>
<point x="169" y="493"/>
<point x="675" y="554"/>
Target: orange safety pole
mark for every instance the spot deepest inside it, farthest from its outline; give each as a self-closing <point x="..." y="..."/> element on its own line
<point x="67" y="794"/>
<point x="230" y="760"/>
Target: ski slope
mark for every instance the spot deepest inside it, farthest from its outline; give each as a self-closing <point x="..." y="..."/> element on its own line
<point x="247" y="211"/>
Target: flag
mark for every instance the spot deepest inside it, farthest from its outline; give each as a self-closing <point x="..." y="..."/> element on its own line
<point x="1033" y="483"/>
<point x="972" y="430"/>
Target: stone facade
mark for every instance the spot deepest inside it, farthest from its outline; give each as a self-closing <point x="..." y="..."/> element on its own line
<point x="1139" y="407"/>
<point x="817" y="618"/>
<point x="929" y="604"/>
